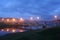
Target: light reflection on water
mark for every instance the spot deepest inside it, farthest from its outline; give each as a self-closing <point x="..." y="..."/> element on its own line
<point x="13" y="30"/>
<point x="2" y="29"/>
<point x="6" y="31"/>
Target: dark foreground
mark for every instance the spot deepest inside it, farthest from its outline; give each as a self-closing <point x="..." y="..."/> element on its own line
<point x="47" y="34"/>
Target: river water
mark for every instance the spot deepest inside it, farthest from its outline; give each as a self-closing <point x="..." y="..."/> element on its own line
<point x="14" y="30"/>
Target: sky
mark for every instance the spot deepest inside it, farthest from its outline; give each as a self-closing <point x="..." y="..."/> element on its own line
<point x="45" y="9"/>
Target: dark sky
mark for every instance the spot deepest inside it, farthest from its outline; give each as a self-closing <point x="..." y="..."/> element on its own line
<point x="46" y="9"/>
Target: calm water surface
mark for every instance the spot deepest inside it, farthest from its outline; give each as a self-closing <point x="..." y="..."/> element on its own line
<point x="12" y="30"/>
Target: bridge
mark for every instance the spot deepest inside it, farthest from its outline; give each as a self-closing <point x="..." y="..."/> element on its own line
<point x="16" y="23"/>
<point x="28" y="24"/>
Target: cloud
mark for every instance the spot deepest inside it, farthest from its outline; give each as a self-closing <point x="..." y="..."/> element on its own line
<point x="26" y="8"/>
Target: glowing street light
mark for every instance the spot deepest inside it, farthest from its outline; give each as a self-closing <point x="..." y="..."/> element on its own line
<point x="31" y="18"/>
<point x="7" y="20"/>
<point x="55" y="17"/>
<point x="21" y="20"/>
<point x="14" y="20"/>
<point x="38" y="18"/>
<point x="2" y="19"/>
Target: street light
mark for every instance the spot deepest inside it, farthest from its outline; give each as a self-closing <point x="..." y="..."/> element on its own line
<point x="7" y="20"/>
<point x="55" y="17"/>
<point x="2" y="19"/>
<point x="31" y="18"/>
<point x="14" y="20"/>
<point x="38" y="18"/>
<point x="21" y="20"/>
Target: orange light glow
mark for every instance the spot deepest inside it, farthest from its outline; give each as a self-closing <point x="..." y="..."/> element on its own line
<point x="7" y="30"/>
<point x="2" y="19"/>
<point x="7" y="20"/>
<point x="21" y="20"/>
<point x="13" y="30"/>
<point x="14" y="20"/>
<point x="2" y="29"/>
